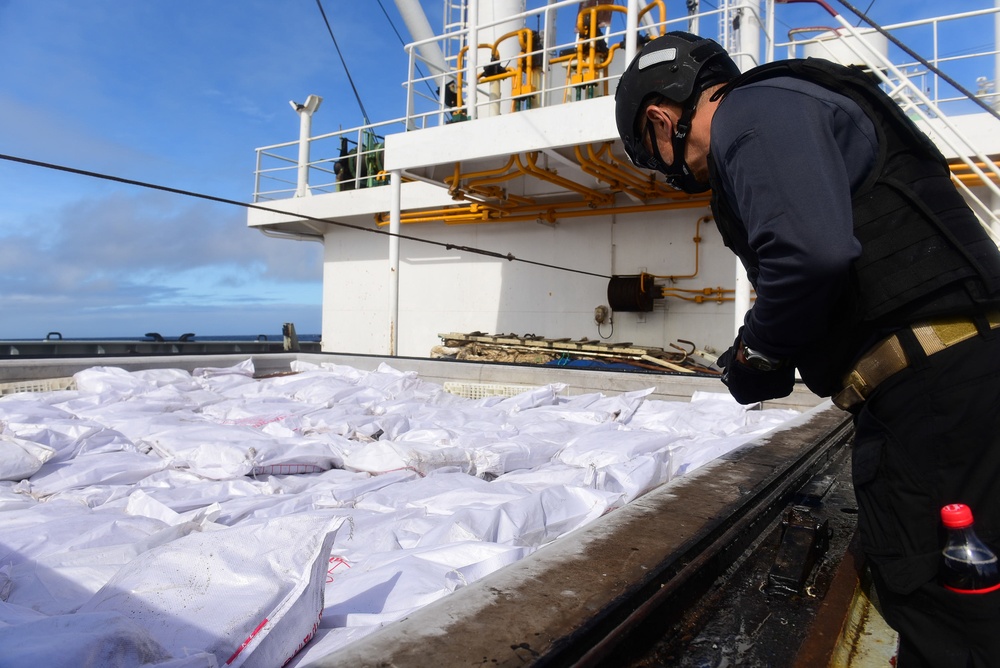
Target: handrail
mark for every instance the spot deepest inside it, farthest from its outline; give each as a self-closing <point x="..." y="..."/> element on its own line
<point x="881" y="66"/>
<point x="587" y="67"/>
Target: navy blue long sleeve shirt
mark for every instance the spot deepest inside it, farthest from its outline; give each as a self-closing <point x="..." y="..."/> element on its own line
<point x="790" y="154"/>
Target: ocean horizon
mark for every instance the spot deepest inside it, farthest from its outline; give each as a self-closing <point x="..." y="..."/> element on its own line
<point x="169" y="338"/>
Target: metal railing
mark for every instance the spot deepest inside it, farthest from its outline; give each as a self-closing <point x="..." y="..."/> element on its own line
<point x="925" y="103"/>
<point x="929" y="37"/>
<point x="354" y="161"/>
<point x="586" y="63"/>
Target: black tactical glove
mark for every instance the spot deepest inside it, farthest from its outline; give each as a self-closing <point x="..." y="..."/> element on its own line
<point x="748" y="384"/>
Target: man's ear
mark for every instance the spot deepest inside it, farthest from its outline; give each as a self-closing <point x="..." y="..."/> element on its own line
<point x="659" y="117"/>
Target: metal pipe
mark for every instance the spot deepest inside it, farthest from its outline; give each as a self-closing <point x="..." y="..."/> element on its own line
<point x="697" y="244"/>
<point x="395" y="192"/>
<point x="462" y="74"/>
<point x="472" y="65"/>
<point x="769" y="49"/>
<point x="549" y="43"/>
<point x="478" y="214"/>
<point x="642" y="185"/>
<point x="618" y="181"/>
<point x="421" y="31"/>
<point x="631" y="30"/>
<point x="530" y="167"/>
<point x="993" y="208"/>
<point x="305" y="112"/>
<point x="482" y="176"/>
<point x="742" y="297"/>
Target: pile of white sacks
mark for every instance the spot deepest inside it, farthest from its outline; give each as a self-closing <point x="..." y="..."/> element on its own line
<point x="168" y="518"/>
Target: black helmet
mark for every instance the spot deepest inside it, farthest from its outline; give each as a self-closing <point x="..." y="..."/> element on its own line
<point x="677" y="66"/>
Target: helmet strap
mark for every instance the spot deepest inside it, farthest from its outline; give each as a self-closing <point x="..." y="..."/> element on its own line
<point x="678" y="174"/>
<point x="679" y="140"/>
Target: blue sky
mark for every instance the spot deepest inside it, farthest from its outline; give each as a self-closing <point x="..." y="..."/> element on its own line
<point x="177" y="93"/>
<point x="180" y="93"/>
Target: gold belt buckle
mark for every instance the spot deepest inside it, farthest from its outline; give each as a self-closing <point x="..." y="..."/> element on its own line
<point x="855" y="391"/>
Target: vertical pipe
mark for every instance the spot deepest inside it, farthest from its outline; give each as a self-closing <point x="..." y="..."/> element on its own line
<point x="748" y="35"/>
<point x="994" y="197"/>
<point x="395" y="190"/>
<point x="742" y="300"/>
<point x="549" y="43"/>
<point x="256" y="180"/>
<point x="632" y="30"/>
<point x="769" y="35"/>
<point x="996" y="57"/>
<point x="410" y="71"/>
<point x="937" y="80"/>
<point x="472" y="60"/>
<point x="725" y="29"/>
<point x="305" y="112"/>
<point x="305" y="129"/>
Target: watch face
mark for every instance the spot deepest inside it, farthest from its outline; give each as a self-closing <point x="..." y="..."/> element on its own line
<point x="757" y="361"/>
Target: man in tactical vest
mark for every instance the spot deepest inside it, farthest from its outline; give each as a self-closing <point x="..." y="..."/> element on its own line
<point x="873" y="279"/>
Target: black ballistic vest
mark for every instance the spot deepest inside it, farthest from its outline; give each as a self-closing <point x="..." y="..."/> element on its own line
<point x="924" y="253"/>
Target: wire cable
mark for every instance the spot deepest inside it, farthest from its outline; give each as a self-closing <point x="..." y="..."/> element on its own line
<point x="910" y="52"/>
<point x="347" y="71"/>
<point x="867" y="9"/>
<point x="246" y="205"/>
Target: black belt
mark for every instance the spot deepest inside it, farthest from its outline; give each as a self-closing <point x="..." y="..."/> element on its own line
<point x="887" y="357"/>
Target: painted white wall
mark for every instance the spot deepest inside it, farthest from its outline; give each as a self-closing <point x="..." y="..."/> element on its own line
<point x="449" y="291"/>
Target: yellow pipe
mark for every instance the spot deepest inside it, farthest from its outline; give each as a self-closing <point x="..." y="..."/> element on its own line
<point x="502" y="194"/>
<point x="702" y="291"/>
<point x="642" y="188"/>
<point x="659" y="4"/>
<point x="963" y="172"/>
<point x="716" y="294"/>
<point x="533" y="169"/>
<point x="528" y="212"/>
<point x="459" y="65"/>
<point x="971" y="179"/>
<point x="581" y="213"/>
<point x="645" y="182"/>
<point x="630" y="169"/>
<point x="487" y="175"/>
<point x="697" y="243"/>
<point x="505" y="173"/>
<point x="526" y="82"/>
<point x="616" y="185"/>
<point x="461" y="214"/>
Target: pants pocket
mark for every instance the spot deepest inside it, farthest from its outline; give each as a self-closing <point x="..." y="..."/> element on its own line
<point x="943" y="629"/>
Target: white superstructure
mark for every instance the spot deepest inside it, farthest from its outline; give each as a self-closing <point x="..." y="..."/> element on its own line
<point x="511" y="214"/>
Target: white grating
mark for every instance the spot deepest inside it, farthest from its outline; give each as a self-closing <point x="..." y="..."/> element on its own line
<point x="40" y="385"/>
<point x="480" y="390"/>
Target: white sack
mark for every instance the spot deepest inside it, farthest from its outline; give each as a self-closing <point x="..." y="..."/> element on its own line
<point x="603" y="447"/>
<point x="251" y="595"/>
<point x="60" y="582"/>
<point x="108" y="468"/>
<point x="530" y="521"/>
<point x="518" y="453"/>
<point x="21" y="459"/>
<point x="385" y="456"/>
<point x="95" y="640"/>
<point x="384" y="587"/>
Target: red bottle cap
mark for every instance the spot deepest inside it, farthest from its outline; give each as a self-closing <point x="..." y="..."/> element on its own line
<point x="956" y="516"/>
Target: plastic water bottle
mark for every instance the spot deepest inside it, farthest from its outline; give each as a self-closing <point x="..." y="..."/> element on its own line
<point x="968" y="566"/>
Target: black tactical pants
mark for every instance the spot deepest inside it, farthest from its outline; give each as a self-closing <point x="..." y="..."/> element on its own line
<point x="928" y="436"/>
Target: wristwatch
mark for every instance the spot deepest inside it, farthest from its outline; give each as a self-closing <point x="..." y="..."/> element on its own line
<point x="760" y="361"/>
